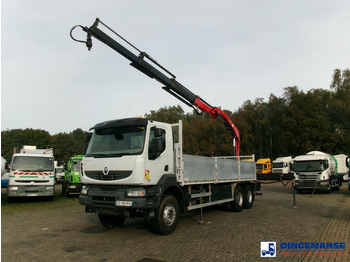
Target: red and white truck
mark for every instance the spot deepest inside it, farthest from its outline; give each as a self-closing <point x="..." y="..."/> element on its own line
<point x="136" y="167"/>
<point x="32" y="174"/>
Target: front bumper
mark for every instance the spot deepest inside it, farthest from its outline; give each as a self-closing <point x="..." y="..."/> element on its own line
<point x="30" y="190"/>
<point x="312" y="184"/>
<point x="74" y="189"/>
<point x="113" y="200"/>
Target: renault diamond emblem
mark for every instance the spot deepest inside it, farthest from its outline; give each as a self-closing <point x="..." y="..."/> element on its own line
<point x="105" y="171"/>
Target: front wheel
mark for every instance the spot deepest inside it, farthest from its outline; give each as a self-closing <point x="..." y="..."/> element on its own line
<point x="110" y="221"/>
<point x="63" y="188"/>
<point x="166" y="216"/>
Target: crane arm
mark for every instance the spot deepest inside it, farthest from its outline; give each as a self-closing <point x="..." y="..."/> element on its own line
<point x="149" y="66"/>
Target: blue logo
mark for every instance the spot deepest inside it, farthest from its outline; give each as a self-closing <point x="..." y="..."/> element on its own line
<point x="268" y="249"/>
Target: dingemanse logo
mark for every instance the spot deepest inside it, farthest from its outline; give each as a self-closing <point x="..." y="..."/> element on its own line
<point x="267" y="249"/>
<point x="303" y="249"/>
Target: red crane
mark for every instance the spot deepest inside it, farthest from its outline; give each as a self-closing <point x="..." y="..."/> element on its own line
<point x="170" y="84"/>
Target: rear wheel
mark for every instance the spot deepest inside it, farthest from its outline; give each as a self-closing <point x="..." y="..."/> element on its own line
<point x="167" y="216"/>
<point x="110" y="221"/>
<point x="238" y="203"/>
<point x="248" y="197"/>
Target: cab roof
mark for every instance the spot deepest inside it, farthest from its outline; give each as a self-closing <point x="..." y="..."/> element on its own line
<point x="120" y="123"/>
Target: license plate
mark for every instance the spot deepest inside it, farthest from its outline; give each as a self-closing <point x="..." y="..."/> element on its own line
<point x="123" y="203"/>
<point x="32" y="194"/>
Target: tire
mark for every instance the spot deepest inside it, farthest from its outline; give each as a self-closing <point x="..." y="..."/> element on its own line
<point x="63" y="188"/>
<point x="49" y="198"/>
<point x="248" y="197"/>
<point x="10" y="200"/>
<point x="110" y="221"/>
<point x="67" y="193"/>
<point x="238" y="203"/>
<point x="167" y="216"/>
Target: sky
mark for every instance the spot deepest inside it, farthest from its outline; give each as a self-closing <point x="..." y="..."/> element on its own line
<point x="227" y="52"/>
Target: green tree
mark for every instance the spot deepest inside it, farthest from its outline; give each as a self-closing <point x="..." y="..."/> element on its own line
<point x="170" y="114"/>
<point x="306" y="124"/>
<point x="68" y="144"/>
<point x="340" y="108"/>
<point x="13" y="140"/>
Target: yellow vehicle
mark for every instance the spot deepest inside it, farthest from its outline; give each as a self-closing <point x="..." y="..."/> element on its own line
<point x="263" y="166"/>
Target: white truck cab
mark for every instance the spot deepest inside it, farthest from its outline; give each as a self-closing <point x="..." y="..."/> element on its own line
<point x="315" y="170"/>
<point x="32" y="174"/>
<point x="281" y="165"/>
<point x="136" y="167"/>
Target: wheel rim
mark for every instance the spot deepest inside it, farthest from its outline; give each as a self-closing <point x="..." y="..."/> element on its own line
<point x="169" y="214"/>
<point x="250" y="197"/>
<point x="240" y="199"/>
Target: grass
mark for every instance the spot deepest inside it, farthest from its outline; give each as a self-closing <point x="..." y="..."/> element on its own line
<point x="24" y="204"/>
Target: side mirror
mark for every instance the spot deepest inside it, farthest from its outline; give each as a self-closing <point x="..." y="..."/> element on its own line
<point x="158" y="132"/>
<point x="159" y="145"/>
<point x="292" y="166"/>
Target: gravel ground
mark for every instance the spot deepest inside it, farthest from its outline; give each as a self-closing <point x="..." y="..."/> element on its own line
<point x="62" y="231"/>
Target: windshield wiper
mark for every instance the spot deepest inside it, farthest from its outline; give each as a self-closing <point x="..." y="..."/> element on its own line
<point x="115" y="155"/>
<point x="107" y="155"/>
<point x="96" y="155"/>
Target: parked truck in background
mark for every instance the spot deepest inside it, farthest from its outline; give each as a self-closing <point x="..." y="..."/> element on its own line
<point x="281" y="168"/>
<point x="342" y="167"/>
<point x="59" y="174"/>
<point x="71" y="184"/>
<point x="32" y="174"/>
<point x="281" y="165"/>
<point x="316" y="170"/>
<point x="4" y="174"/>
<point x="136" y="167"/>
<point x="263" y="166"/>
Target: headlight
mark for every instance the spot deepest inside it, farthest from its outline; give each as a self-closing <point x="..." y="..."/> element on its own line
<point x="13" y="188"/>
<point x="72" y="186"/>
<point x="136" y="192"/>
<point x="84" y="190"/>
<point x="49" y="188"/>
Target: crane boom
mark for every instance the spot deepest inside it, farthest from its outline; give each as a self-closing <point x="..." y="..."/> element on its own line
<point x="151" y="68"/>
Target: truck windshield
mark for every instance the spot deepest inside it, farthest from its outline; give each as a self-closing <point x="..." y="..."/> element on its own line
<point x="278" y="165"/>
<point x="117" y="142"/>
<point x="310" y="166"/>
<point x="259" y="166"/>
<point x="27" y="163"/>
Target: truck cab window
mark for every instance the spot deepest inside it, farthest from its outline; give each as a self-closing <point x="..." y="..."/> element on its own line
<point x="117" y="141"/>
<point x="156" y="143"/>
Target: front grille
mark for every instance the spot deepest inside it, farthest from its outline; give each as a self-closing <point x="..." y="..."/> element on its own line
<point x="309" y="184"/>
<point x="34" y="181"/>
<point x="112" y="175"/>
<point x="308" y="177"/>
<point x="103" y="199"/>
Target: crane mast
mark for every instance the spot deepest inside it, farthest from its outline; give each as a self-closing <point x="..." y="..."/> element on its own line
<point x="149" y="66"/>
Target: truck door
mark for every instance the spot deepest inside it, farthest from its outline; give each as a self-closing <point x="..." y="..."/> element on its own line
<point x="159" y="160"/>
